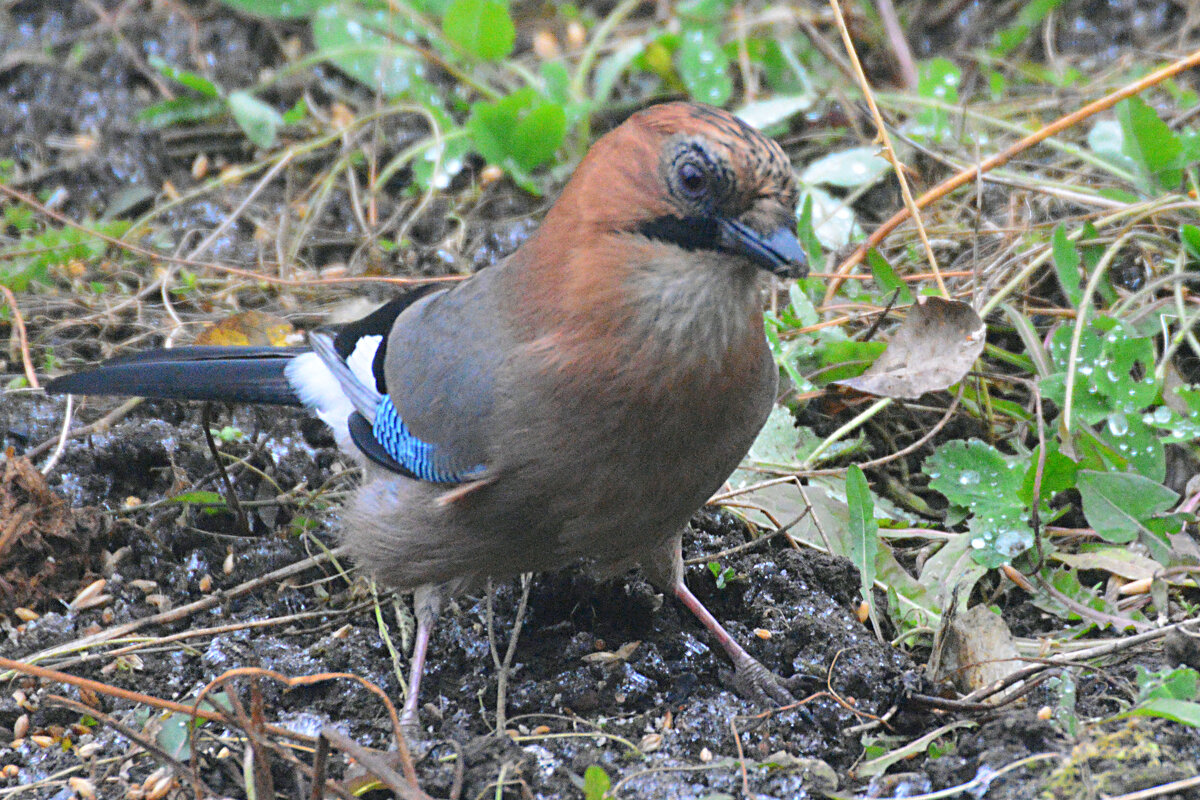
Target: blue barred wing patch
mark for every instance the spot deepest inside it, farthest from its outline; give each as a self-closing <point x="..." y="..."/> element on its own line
<point x="421" y="458"/>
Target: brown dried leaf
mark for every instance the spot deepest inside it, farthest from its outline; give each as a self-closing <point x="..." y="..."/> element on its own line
<point x="622" y="653"/>
<point x="249" y="328"/>
<point x="979" y="650"/>
<point x="933" y="349"/>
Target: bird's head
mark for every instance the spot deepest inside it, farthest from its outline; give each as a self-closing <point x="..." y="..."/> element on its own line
<point x="691" y="177"/>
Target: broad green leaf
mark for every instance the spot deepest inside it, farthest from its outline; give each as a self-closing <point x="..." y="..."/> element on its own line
<point x="259" y="121"/>
<point x="833" y="220"/>
<point x="975" y="475"/>
<point x="973" y="472"/>
<point x="801" y="307"/>
<point x="1170" y="684"/>
<point x="1118" y="504"/>
<point x="938" y="79"/>
<point x="1138" y="448"/>
<point x="1180" y="711"/>
<point x="703" y="66"/>
<point x="519" y="132"/>
<point x="999" y="533"/>
<point x="1110" y="355"/>
<point x="481" y="27"/>
<point x="366" y="46"/>
<point x="847" y="169"/>
<point x="1151" y="144"/>
<point x="781" y="443"/>
<point x="1107" y="141"/>
<point x="846" y="359"/>
<point x="766" y="114"/>
<point x="441" y="161"/>
<point x="596" y="783"/>
<point x="1178" y="428"/>
<point x="1058" y="475"/>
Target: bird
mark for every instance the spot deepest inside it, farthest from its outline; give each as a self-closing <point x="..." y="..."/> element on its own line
<point x="573" y="404"/>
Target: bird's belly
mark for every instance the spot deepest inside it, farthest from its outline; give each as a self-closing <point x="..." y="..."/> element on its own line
<point x="603" y="484"/>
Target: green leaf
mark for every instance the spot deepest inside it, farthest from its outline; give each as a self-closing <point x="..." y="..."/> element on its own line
<point x="1118" y="504"/>
<point x="1171" y="684"/>
<point x="481" y="27"/>
<point x="847" y="169"/>
<point x="277" y="9"/>
<point x="976" y="475"/>
<point x="1066" y="265"/>
<point x="519" y="132"/>
<point x="887" y="278"/>
<point x="999" y="533"/>
<point x="1058" y="475"/>
<point x="1110" y="355"/>
<point x="1179" y="711"/>
<point x="361" y="44"/>
<point x="973" y="473"/>
<point x="703" y="66"/>
<point x="938" y="79"/>
<point x="181" y="110"/>
<point x="766" y="114"/>
<point x="1029" y="16"/>
<point x="296" y="113"/>
<point x="780" y="443"/>
<point x="845" y="359"/>
<point x="864" y="542"/>
<point x="203" y="497"/>
<point x="1107" y="141"/>
<point x="808" y="234"/>
<point x="596" y="783"/>
<point x="259" y="121"/>
<point x="1190" y="236"/>
<point x="605" y="76"/>
<point x="1151" y="143"/>
<point x="1136" y="445"/>
<point x="195" y="82"/>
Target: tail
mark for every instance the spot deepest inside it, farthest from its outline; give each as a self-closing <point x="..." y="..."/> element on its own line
<point x="221" y="374"/>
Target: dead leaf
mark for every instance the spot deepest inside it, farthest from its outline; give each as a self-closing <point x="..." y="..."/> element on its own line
<point x="1118" y="560"/>
<point x="249" y="328"/>
<point x="617" y="656"/>
<point x="934" y="348"/>
<point x="979" y="650"/>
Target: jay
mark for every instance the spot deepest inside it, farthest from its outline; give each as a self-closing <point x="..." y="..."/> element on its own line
<point x="576" y="402"/>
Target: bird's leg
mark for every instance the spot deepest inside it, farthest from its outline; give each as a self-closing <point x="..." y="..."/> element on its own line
<point x="664" y="567"/>
<point x="749" y="675"/>
<point x="427" y="604"/>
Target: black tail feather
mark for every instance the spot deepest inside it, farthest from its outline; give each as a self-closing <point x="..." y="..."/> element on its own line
<point x="221" y="374"/>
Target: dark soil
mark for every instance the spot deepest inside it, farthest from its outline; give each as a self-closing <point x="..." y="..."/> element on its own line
<point x="658" y="714"/>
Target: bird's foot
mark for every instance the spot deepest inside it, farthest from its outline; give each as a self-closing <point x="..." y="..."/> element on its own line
<point x="755" y="682"/>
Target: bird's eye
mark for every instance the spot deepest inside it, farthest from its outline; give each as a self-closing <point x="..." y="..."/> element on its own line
<point x="692" y="179"/>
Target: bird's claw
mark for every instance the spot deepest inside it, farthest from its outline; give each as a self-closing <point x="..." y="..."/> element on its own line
<point x="754" y="681"/>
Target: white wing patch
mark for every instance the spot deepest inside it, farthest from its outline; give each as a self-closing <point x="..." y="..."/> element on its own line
<point x="322" y="393"/>
<point x="362" y="359"/>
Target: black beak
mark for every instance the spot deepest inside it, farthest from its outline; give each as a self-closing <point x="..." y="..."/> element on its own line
<point x="778" y="252"/>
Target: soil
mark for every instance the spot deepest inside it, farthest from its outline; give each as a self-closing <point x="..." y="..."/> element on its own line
<point x="604" y="673"/>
